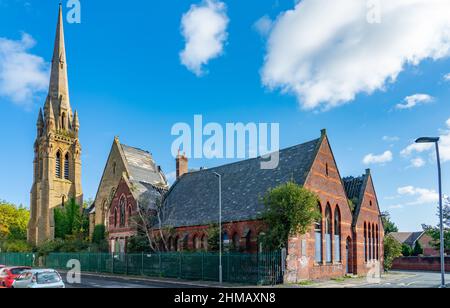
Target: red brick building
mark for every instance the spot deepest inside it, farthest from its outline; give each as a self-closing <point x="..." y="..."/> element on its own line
<point x="347" y="240"/>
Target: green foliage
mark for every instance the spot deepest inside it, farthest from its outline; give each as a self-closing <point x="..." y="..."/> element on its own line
<point x="392" y="251"/>
<point x="418" y="250"/>
<point x="290" y="210"/>
<point x="406" y="250"/>
<point x="15" y="246"/>
<point x="435" y="234"/>
<point x="99" y="239"/>
<point x="389" y="226"/>
<point x="138" y="244"/>
<point x="213" y="237"/>
<point x="70" y="244"/>
<point x="71" y="221"/>
<point x="13" y="222"/>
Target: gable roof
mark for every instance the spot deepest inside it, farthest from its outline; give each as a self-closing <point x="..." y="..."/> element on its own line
<point x="408" y="238"/>
<point x="193" y="199"/>
<point x="141" y="166"/>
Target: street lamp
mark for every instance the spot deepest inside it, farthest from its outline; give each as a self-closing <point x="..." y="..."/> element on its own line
<point x="220" y="226"/>
<point x="435" y="140"/>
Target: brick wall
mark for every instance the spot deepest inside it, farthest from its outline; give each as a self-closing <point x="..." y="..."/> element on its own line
<point x="420" y="264"/>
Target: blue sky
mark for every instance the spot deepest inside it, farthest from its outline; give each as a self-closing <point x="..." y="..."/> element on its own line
<point x="126" y="79"/>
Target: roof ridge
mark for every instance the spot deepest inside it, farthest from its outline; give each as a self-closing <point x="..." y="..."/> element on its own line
<point x="136" y="148"/>
<point x="250" y="159"/>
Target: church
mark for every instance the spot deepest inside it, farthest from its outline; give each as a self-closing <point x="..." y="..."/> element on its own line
<point x="57" y="150"/>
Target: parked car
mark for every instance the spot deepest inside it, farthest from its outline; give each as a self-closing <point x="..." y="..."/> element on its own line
<point x="9" y="274"/>
<point x="39" y="279"/>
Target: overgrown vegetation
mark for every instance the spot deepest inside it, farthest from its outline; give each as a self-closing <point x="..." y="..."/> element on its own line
<point x="434" y="232"/>
<point x="13" y="228"/>
<point x="290" y="210"/>
<point x="389" y="225"/>
<point x="392" y="251"/>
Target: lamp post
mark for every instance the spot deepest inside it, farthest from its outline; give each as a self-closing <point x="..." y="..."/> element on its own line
<point x="220" y="226"/>
<point x="435" y="140"/>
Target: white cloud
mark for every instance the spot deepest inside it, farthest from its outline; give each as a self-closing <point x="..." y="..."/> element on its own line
<point x="417" y="162"/>
<point x="204" y="28"/>
<point x="327" y="56"/>
<point x="414" y="100"/>
<point x="22" y="74"/>
<point x="378" y="159"/>
<point x="390" y="138"/>
<point x="263" y="25"/>
<point x="444" y="146"/>
<point x="447" y="77"/>
<point x="423" y="195"/>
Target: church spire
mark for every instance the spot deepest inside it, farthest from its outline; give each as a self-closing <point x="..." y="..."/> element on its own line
<point x="59" y="87"/>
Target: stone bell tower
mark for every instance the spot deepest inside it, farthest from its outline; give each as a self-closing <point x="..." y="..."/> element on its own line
<point x="57" y="150"/>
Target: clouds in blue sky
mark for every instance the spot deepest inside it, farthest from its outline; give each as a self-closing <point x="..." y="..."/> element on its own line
<point x="204" y="28"/>
<point x="327" y="56"/>
<point x="414" y="100"/>
<point x="22" y="75"/>
<point x="384" y="158"/>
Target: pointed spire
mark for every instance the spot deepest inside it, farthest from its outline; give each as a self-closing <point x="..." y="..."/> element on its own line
<point x="59" y="88"/>
<point x="76" y="122"/>
<point x="50" y="116"/>
<point x="40" y="121"/>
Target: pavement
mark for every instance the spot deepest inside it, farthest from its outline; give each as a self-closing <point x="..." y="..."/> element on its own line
<point x="398" y="279"/>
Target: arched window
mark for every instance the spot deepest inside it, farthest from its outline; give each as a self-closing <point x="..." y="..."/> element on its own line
<point x="114" y="168"/>
<point x="369" y="242"/>
<point x="378" y="243"/>
<point x="337" y="235"/>
<point x="248" y="241"/>
<point x="195" y="242"/>
<point x="373" y="242"/>
<point x="177" y="243"/>
<point x="58" y="165"/>
<point x="236" y="242"/>
<point x="115" y="218"/>
<point x="226" y="241"/>
<point x="66" y="167"/>
<point x="122" y="211"/>
<point x="318" y="237"/>
<point x="328" y="228"/>
<point x="130" y="216"/>
<point x="365" y="242"/>
<point x="327" y="171"/>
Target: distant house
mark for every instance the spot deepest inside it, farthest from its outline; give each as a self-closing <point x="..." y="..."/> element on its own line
<point x="348" y="239"/>
<point x="411" y="238"/>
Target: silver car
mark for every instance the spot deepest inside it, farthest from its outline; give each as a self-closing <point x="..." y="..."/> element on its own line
<point x="39" y="279"/>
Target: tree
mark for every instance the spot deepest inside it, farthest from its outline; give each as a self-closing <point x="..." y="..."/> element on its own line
<point x="99" y="239"/>
<point x="418" y="250"/>
<point x="389" y="226"/>
<point x="13" y="221"/>
<point x="213" y="237"/>
<point x="71" y="221"/>
<point x="434" y="232"/>
<point x="392" y="251"/>
<point x="150" y="222"/>
<point x="290" y="210"/>
<point x="406" y="250"/>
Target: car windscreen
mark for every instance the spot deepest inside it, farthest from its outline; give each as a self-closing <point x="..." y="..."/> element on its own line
<point x="18" y="271"/>
<point x="48" y="277"/>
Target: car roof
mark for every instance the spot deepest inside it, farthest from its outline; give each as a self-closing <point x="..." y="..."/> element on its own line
<point x="40" y="271"/>
<point x="16" y="267"/>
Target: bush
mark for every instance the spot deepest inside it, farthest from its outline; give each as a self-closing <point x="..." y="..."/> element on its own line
<point x="392" y="250"/>
<point x="418" y="250"/>
<point x="290" y="211"/>
<point x="16" y="246"/>
<point x="406" y="250"/>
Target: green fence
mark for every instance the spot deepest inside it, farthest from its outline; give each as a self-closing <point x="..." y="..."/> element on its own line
<point x="263" y="268"/>
<point x="17" y="259"/>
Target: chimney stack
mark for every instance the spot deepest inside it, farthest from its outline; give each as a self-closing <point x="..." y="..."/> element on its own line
<point x="182" y="165"/>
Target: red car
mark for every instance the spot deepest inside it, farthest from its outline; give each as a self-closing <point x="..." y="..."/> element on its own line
<point x="9" y="274"/>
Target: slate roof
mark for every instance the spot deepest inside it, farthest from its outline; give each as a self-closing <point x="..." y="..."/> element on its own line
<point x="142" y="167"/>
<point x="193" y="199"/>
<point x="353" y="187"/>
<point x="408" y="238"/>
